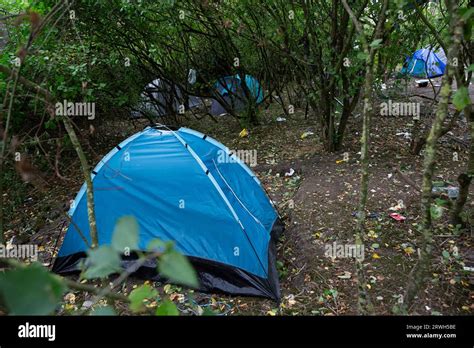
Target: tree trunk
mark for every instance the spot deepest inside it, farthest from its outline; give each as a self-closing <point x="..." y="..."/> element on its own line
<point x="464" y="181"/>
<point x="87" y="177"/>
<point x="364" y="303"/>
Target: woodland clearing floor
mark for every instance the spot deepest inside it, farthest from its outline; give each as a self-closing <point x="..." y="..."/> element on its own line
<point x="317" y="204"/>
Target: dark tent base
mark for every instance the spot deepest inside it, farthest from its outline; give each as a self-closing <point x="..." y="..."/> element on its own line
<point x="214" y="277"/>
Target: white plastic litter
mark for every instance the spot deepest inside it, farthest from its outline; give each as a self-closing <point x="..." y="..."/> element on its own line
<point x="192" y="76"/>
<point x="290" y="173"/>
<point x="406" y="135"/>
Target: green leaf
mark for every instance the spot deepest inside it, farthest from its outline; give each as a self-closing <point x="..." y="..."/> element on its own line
<point x="103" y="311"/>
<point x="441" y="202"/>
<point x="31" y="290"/>
<point x="461" y="98"/>
<point x="167" y="308"/>
<point x="178" y="269"/>
<point x="471" y="68"/>
<point x="445" y="254"/>
<point x="157" y="245"/>
<point x="376" y="43"/>
<point x="50" y="124"/>
<point x="101" y="262"/>
<point x="436" y="211"/>
<point x="125" y="236"/>
<point x="138" y="295"/>
<point x="362" y="55"/>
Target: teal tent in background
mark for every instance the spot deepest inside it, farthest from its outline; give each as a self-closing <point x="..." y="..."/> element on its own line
<point x="232" y="95"/>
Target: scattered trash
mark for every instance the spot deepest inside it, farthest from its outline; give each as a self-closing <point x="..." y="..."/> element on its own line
<point x="373" y="215"/>
<point x="389" y="176"/>
<point x="244" y="133"/>
<point x="290" y="173"/>
<point x="400" y="206"/>
<point x="281" y="119"/>
<point x="446" y="189"/>
<point x="192" y="76"/>
<point x="306" y="134"/>
<point x="383" y="86"/>
<point x="453" y="192"/>
<point x="438" y="189"/>
<point x="87" y="304"/>
<point x="368" y="216"/>
<point x="397" y="217"/>
<point x="291" y="300"/>
<point x="406" y="135"/>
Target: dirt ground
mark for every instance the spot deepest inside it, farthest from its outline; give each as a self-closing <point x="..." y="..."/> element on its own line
<point x="317" y="204"/>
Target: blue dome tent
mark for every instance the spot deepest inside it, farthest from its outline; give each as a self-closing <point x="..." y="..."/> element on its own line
<point x="229" y="88"/>
<point x="425" y="63"/>
<point x="178" y="187"/>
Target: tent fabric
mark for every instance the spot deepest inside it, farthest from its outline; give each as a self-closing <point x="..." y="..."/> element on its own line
<point x="425" y="63"/>
<point x="178" y="188"/>
<point x="160" y="98"/>
<point x="230" y="89"/>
